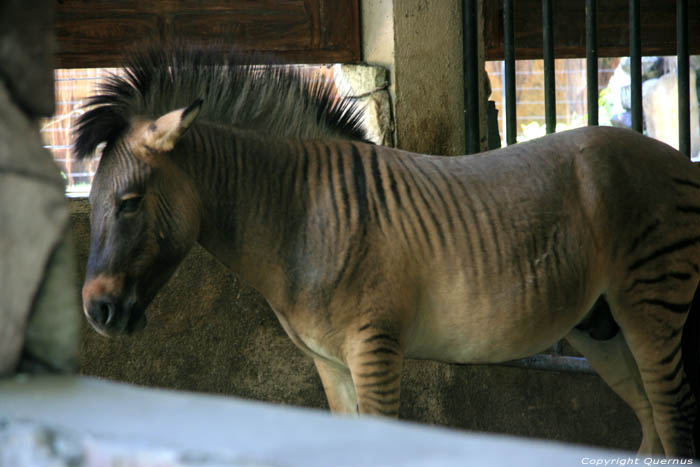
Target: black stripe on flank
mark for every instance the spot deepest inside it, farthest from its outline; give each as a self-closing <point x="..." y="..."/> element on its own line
<point x="673" y="307"/>
<point x="453" y="202"/>
<point x="331" y="190"/>
<point x="359" y="255"/>
<point x="366" y="326"/>
<point x="644" y="235"/>
<point x="677" y="389"/>
<point x="399" y="212"/>
<point x="319" y="164"/>
<point x="384" y="337"/>
<point x="669" y="358"/>
<point x="554" y="248"/>
<point x="289" y="177"/>
<point x="681" y="276"/>
<point x="685" y="182"/>
<point x="384" y="392"/>
<point x="410" y="206"/>
<point x="360" y="180"/>
<point x="305" y="166"/>
<point x="343" y="184"/>
<point x="673" y="334"/>
<point x="417" y="211"/>
<point x="375" y="374"/>
<point x="377" y="181"/>
<point x="486" y="211"/>
<point x="423" y="178"/>
<point x="343" y="268"/>
<point x="679" y="245"/>
<point x="378" y="363"/>
<point x="420" y="188"/>
<point x="469" y="204"/>
<point x="394" y="188"/>
<point x="382" y="350"/>
<point x="376" y="384"/>
<point x="438" y="192"/>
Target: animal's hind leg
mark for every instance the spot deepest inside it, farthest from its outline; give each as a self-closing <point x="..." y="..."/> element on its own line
<point x="652" y="323"/>
<point x="613" y="361"/>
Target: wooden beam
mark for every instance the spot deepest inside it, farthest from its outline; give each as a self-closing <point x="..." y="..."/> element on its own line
<point x="96" y="33"/>
<point x="658" y="23"/>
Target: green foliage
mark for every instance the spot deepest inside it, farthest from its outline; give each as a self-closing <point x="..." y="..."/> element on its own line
<point x="605" y="107"/>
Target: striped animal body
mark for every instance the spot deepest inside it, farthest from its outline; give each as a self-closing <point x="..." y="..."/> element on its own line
<point x="369" y="255"/>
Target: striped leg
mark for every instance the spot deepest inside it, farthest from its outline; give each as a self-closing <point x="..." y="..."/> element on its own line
<point x="653" y="329"/>
<point x="376" y="363"/>
<point x="339" y="388"/>
<point x="612" y="360"/>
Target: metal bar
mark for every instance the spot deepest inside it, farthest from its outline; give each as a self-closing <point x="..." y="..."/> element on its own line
<point x="683" y="77"/>
<point x="471" y="77"/>
<point x="553" y="363"/>
<point x="550" y="105"/>
<point x="592" y="61"/>
<point x="635" y="66"/>
<point x="509" y="48"/>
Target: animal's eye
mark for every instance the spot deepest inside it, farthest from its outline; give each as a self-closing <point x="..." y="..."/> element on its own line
<point x="129" y="205"/>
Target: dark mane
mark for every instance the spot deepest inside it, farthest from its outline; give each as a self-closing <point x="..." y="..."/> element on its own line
<point x="279" y="100"/>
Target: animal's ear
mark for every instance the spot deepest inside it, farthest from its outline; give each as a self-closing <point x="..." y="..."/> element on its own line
<point x="162" y="134"/>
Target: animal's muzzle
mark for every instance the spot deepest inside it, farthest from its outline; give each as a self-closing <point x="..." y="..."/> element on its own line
<point x="108" y="308"/>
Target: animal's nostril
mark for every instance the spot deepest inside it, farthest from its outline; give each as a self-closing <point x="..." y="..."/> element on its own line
<point x="108" y="311"/>
<point x="102" y="312"/>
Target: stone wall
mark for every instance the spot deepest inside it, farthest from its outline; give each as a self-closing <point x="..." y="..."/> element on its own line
<point x="208" y="332"/>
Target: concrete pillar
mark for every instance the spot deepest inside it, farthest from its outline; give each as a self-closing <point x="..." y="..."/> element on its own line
<point x="420" y="42"/>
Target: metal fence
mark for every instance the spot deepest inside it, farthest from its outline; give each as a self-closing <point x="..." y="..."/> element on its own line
<point x="471" y="70"/>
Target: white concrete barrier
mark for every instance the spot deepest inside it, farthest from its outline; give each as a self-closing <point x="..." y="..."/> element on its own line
<point x="62" y="420"/>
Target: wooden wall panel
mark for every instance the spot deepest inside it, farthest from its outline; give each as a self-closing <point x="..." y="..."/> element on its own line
<point x="658" y="23"/>
<point x="94" y="33"/>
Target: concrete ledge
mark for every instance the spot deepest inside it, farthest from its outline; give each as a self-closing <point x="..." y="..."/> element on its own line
<point x="60" y="420"/>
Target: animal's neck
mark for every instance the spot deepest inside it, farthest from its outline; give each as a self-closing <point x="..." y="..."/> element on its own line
<point x="251" y="194"/>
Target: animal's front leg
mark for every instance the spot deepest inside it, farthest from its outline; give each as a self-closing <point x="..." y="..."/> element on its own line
<point x="338" y="386"/>
<point x="376" y="360"/>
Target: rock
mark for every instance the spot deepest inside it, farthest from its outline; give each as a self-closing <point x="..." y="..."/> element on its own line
<point x="370" y="86"/>
<point x="622" y="120"/>
<point x="661" y="111"/>
<point x="652" y="67"/>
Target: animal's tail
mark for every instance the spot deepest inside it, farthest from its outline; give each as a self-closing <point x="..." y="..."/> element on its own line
<point x="691" y="361"/>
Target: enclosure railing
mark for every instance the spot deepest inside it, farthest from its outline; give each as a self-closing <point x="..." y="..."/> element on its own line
<point x="471" y="69"/>
<point x="556" y="360"/>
